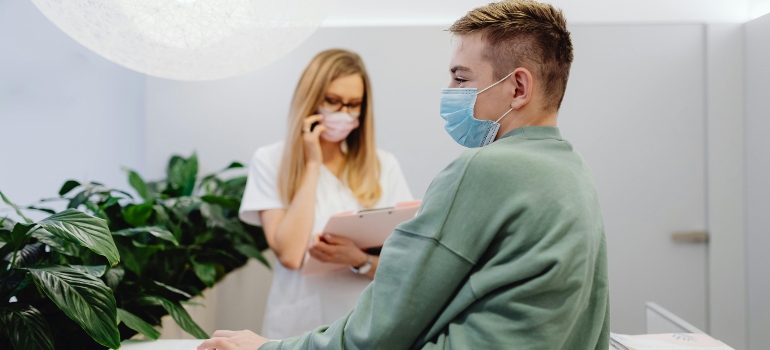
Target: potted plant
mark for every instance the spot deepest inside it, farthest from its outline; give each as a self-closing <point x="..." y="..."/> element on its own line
<point x="181" y="236"/>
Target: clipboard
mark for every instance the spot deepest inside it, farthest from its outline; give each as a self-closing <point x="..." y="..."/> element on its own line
<point x="366" y="228"/>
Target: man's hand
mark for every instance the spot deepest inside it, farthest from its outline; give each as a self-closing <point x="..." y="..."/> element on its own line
<point x="233" y="340"/>
<point x="336" y="249"/>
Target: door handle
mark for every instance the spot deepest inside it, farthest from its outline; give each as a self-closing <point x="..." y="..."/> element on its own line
<point x="690" y="237"/>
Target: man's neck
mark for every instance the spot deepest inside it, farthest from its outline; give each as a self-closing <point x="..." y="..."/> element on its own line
<point x="521" y="120"/>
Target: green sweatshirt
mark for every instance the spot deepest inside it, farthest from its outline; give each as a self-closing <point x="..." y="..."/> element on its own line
<point x="507" y="252"/>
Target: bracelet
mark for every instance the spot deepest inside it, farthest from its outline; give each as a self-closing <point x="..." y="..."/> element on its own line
<point x="366" y="267"/>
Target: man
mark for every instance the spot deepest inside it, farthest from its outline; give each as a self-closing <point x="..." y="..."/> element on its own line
<point x="508" y="250"/>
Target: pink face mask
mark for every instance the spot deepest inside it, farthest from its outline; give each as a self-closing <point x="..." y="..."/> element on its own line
<point x="338" y="125"/>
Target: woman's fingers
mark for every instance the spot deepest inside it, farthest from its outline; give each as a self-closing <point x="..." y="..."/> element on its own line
<point x="308" y="122"/>
<point x="336" y="240"/>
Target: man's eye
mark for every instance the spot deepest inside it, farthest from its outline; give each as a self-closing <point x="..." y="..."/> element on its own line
<point x="460" y="80"/>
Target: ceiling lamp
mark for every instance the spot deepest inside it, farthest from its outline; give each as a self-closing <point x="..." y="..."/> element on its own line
<point x="188" y="39"/>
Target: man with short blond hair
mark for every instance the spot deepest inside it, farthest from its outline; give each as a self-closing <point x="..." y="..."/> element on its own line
<point x="508" y="249"/>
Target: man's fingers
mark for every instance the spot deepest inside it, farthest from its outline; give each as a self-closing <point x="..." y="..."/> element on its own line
<point x="224" y="333"/>
<point x="216" y="343"/>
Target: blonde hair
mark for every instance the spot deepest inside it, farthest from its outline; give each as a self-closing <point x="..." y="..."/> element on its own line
<point x="363" y="166"/>
<point x="524" y="33"/>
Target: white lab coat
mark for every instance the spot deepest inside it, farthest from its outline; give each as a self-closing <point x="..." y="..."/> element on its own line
<point x="298" y="303"/>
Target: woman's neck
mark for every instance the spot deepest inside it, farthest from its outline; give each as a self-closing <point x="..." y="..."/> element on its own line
<point x="333" y="157"/>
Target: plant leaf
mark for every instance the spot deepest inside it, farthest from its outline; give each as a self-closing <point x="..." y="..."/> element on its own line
<point x="26" y="328"/>
<point x="82" y="297"/>
<point x="28" y="255"/>
<point x="137" y="215"/>
<point x="179" y="314"/>
<point x="252" y="252"/>
<point x="134" y="322"/>
<point x="93" y="270"/>
<point x="207" y="272"/>
<point x="231" y="203"/>
<point x="110" y="202"/>
<point x="15" y="208"/>
<point x="153" y="230"/>
<point x="175" y="290"/>
<point x="68" y="186"/>
<point x="191" y="174"/>
<point x="234" y="165"/>
<point x="19" y="234"/>
<point x="114" y="276"/>
<point x="45" y="210"/>
<point x="56" y="243"/>
<point x="138" y="184"/>
<point x="91" y="232"/>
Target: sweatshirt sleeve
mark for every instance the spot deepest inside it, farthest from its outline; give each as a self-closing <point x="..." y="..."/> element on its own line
<point x="417" y="276"/>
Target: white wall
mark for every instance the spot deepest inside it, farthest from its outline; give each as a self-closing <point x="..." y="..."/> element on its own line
<point x="228" y="119"/>
<point x="439" y="12"/>
<point x="758" y="179"/>
<point x="726" y="173"/>
<point x="758" y="8"/>
<point x="65" y="113"/>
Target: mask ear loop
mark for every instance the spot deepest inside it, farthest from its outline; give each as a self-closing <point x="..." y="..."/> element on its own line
<point x="498" y="82"/>
<point x="501" y="118"/>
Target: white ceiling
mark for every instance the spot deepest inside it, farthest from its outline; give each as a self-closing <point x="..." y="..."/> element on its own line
<point x="444" y="12"/>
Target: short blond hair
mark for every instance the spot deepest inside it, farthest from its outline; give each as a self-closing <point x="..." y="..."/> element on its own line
<point x="524" y="33"/>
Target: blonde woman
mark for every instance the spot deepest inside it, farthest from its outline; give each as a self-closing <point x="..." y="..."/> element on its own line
<point x="328" y="164"/>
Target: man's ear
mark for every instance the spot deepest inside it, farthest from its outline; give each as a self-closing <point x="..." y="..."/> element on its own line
<point x="524" y="88"/>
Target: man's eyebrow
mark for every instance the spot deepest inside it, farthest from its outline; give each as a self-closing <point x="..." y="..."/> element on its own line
<point x="460" y="68"/>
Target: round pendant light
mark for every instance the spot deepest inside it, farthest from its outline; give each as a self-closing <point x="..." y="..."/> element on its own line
<point x="188" y="39"/>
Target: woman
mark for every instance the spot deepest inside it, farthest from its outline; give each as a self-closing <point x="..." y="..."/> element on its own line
<point x="328" y="164"/>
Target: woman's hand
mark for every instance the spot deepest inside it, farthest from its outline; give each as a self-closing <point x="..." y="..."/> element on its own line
<point x="233" y="340"/>
<point x="336" y="249"/>
<point x="313" y="153"/>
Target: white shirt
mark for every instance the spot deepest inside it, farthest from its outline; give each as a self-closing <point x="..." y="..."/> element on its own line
<point x="298" y="303"/>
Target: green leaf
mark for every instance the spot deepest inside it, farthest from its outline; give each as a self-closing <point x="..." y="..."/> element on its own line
<point x="179" y="314"/>
<point x="234" y="165"/>
<point x="191" y="174"/>
<point x="231" y="203"/>
<point x="114" y="276"/>
<point x="153" y="230"/>
<point x="207" y="272"/>
<point x="68" y="186"/>
<point x="252" y="252"/>
<point x="93" y="270"/>
<point x="131" y="260"/>
<point x="19" y="234"/>
<point x="110" y="202"/>
<point x="15" y="208"/>
<point x="175" y="290"/>
<point x="5" y="235"/>
<point x="137" y="215"/>
<point x="138" y="184"/>
<point x="91" y="232"/>
<point x="82" y="297"/>
<point x="45" y="210"/>
<point x="58" y="244"/>
<point x="134" y="322"/>
<point x="26" y="328"/>
<point x="191" y="303"/>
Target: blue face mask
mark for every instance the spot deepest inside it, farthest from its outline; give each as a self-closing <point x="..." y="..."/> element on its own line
<point x="457" y="110"/>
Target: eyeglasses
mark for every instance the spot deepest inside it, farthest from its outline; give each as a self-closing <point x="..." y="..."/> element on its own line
<point x="336" y="104"/>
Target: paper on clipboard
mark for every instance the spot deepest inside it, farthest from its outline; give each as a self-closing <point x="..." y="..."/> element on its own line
<point x="366" y="228"/>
